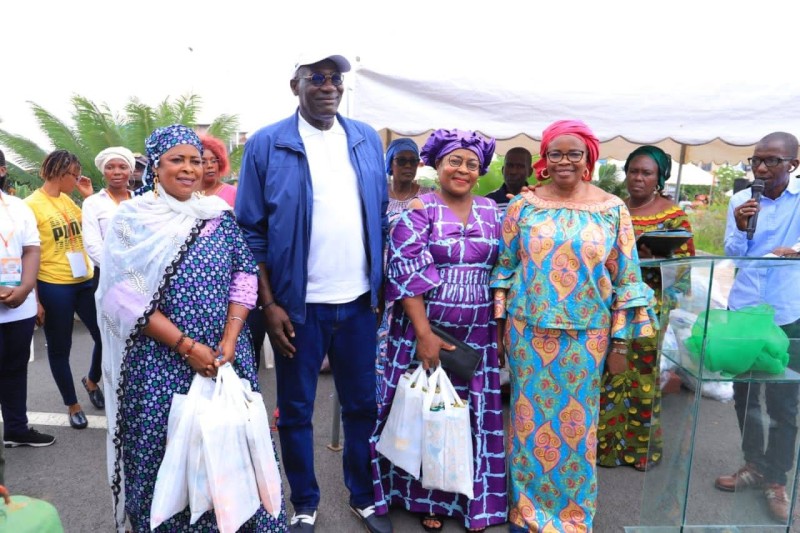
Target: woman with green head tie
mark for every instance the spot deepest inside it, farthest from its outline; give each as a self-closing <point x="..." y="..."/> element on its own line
<point x="628" y="432"/>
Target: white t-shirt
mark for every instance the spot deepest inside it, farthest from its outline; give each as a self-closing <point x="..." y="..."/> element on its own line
<point x="337" y="260"/>
<point x="18" y="227"/>
<point x="97" y="211"/>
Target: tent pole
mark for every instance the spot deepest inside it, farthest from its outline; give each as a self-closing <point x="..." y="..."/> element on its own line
<point x="681" y="161"/>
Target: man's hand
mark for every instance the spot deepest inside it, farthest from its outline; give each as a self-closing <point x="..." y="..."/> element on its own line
<point x="280" y="329"/>
<point x="743" y="213"/>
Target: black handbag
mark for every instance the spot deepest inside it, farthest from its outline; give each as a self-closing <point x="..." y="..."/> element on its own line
<point x="463" y="361"/>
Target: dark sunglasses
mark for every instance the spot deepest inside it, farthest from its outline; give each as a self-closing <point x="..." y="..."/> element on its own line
<point x="318" y="79"/>
<point x="403" y="161"/>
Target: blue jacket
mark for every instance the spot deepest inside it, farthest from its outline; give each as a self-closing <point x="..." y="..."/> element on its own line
<point x="274" y="205"/>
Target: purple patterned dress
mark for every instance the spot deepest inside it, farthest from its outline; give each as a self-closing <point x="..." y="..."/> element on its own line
<point x="196" y="300"/>
<point x="432" y="253"/>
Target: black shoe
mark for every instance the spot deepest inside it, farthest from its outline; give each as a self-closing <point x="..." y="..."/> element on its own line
<point x="78" y="420"/>
<point x="31" y="437"/>
<point x="372" y="522"/>
<point x="96" y="395"/>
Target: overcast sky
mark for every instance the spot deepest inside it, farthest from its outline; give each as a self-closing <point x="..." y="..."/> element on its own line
<point x="238" y="56"/>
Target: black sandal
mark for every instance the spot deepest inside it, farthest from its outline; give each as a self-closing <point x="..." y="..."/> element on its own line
<point x="423" y="518"/>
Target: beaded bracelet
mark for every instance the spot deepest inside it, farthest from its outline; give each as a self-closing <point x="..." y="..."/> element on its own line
<point x="189" y="351"/>
<point x="178" y="343"/>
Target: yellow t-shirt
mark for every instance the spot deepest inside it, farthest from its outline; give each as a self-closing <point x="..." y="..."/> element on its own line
<point x="59" y="224"/>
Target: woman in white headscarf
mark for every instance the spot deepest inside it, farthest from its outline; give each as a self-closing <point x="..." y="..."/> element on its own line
<point x="116" y="163"/>
<point x="178" y="282"/>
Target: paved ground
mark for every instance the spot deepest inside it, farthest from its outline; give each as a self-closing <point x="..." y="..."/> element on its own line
<point x="71" y="473"/>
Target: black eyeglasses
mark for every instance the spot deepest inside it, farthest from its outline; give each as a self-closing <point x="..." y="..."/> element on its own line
<point x="456" y="161"/>
<point x="755" y="162"/>
<point x="403" y="161"/>
<point x="318" y="79"/>
<point x="573" y="156"/>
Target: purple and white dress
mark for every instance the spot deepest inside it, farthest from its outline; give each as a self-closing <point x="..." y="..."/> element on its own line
<point x="432" y="253"/>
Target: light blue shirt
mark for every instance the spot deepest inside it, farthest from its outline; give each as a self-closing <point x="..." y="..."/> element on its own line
<point x="778" y="225"/>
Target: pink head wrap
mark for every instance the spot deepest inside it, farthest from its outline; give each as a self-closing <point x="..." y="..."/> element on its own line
<point x="576" y="128"/>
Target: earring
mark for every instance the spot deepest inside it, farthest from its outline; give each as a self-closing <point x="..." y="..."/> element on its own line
<point x="544" y="175"/>
<point x="155" y="184"/>
<point x="587" y="176"/>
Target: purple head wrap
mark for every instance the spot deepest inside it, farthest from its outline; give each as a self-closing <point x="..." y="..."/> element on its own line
<point x="442" y="142"/>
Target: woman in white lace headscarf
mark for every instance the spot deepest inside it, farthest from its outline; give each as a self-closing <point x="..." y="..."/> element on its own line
<point x="178" y="281"/>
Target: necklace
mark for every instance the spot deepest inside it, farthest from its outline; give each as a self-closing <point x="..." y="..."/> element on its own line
<point x="650" y="201"/>
<point x="114" y="198"/>
<point x="414" y="190"/>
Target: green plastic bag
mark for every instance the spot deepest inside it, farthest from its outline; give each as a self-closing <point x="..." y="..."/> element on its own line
<point x="20" y="514"/>
<point x="740" y="341"/>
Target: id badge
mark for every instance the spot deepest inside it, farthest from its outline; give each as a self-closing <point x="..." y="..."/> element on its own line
<point x="78" y="264"/>
<point x="11" y="271"/>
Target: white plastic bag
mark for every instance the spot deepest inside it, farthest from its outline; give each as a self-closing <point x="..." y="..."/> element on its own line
<point x="262" y="452"/>
<point x="447" y="458"/>
<point x="230" y="469"/>
<point x="196" y="472"/>
<point x="401" y="439"/>
<point x="171" y="494"/>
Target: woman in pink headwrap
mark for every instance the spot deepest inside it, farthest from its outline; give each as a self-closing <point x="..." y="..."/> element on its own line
<point x="568" y="292"/>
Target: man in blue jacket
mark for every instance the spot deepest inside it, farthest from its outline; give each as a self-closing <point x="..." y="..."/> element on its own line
<point x="312" y="204"/>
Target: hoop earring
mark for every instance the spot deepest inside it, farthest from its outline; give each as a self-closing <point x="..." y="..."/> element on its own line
<point x="155" y="185"/>
<point x="587" y="176"/>
<point x="544" y="175"/>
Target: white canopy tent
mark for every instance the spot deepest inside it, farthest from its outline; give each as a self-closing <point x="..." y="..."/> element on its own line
<point x="696" y="113"/>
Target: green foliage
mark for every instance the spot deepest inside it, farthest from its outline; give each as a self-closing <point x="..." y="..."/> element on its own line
<point x="607" y="180"/>
<point x="492" y="180"/>
<point x="724" y="177"/>
<point x="96" y="127"/>
<point x="708" y="226"/>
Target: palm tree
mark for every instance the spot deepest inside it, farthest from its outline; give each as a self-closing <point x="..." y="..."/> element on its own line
<point x="95" y="127"/>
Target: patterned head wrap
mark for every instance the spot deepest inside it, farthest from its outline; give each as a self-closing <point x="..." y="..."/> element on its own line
<point x="114" y="152"/>
<point x="399" y="145"/>
<point x="159" y="142"/>
<point x="658" y="155"/>
<point x="442" y="142"/>
<point x="576" y="128"/>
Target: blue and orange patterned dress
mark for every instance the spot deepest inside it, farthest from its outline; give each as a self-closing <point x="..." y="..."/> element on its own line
<point x="571" y="276"/>
<point x="432" y="253"/>
<point x="196" y="300"/>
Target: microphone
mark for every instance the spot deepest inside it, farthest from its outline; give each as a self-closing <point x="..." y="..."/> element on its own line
<point x="757" y="188"/>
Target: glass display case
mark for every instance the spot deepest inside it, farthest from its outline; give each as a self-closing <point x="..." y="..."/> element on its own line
<point x="713" y="337"/>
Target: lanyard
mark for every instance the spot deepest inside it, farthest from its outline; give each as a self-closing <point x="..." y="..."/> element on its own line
<point x="64" y="214"/>
<point x="7" y="238"/>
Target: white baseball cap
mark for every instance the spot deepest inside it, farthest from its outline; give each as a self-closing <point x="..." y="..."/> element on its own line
<point x="310" y="58"/>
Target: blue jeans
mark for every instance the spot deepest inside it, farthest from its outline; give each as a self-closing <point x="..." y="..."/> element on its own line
<point x="61" y="302"/>
<point x="15" y="349"/>
<point x="776" y="458"/>
<point x="346" y="332"/>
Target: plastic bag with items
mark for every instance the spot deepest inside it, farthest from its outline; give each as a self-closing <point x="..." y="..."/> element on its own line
<point x="447" y="458"/>
<point x="401" y="439"/>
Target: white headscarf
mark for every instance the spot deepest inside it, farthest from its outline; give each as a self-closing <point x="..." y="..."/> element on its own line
<point x="146" y="239"/>
<point x="114" y="152"/>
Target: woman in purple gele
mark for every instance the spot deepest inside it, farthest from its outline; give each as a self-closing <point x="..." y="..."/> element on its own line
<point x="441" y="253"/>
